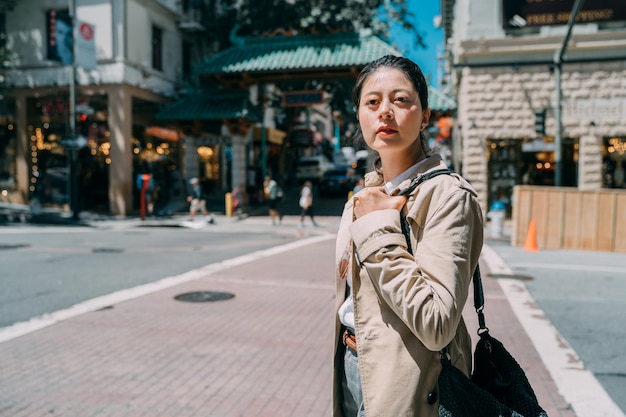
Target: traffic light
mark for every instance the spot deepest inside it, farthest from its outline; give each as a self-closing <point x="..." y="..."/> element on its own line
<point x="540" y="122"/>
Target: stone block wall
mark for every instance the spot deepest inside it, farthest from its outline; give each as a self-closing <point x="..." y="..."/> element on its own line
<point x="499" y="102"/>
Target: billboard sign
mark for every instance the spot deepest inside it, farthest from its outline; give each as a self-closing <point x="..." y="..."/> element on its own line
<point x="60" y="37"/>
<point x="525" y="13"/>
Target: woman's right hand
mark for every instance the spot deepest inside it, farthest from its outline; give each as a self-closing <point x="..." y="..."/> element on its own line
<point x="375" y="198"/>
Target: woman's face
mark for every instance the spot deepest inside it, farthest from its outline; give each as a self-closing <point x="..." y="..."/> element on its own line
<point x="390" y="113"/>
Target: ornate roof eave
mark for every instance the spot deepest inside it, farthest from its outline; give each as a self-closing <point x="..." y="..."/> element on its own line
<point x="282" y="58"/>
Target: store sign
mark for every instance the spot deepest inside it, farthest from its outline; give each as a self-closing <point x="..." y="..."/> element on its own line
<point x="302" y="98"/>
<point x="524" y="13"/>
<point x="595" y="108"/>
<point x="538" y="145"/>
<point x="73" y="142"/>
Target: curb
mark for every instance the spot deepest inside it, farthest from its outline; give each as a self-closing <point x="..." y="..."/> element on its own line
<point x="576" y="384"/>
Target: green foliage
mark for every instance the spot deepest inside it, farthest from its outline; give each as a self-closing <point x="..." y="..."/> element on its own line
<point x="253" y="18"/>
<point x="269" y="17"/>
<point x="6" y="5"/>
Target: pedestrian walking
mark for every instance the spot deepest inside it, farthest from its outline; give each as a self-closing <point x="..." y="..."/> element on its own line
<point x="400" y="295"/>
<point x="239" y="200"/>
<point x="273" y="194"/>
<point x="197" y="201"/>
<point x="358" y="186"/>
<point x="306" y="203"/>
<point x="147" y="187"/>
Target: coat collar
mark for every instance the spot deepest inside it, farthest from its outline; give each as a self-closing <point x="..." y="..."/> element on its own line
<point x="433" y="162"/>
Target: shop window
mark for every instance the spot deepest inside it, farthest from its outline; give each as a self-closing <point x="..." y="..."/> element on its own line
<point x="7" y="150"/>
<point x="209" y="159"/>
<point x="157" y="152"/>
<point x="538" y="162"/>
<point x="614" y="162"/>
<point x="48" y="120"/>
<point x="503" y="171"/>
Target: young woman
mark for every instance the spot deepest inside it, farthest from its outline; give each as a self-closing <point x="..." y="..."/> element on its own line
<point x="306" y="203"/>
<point x="397" y="308"/>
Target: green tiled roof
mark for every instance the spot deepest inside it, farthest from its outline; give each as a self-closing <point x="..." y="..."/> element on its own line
<point x="209" y="106"/>
<point x="293" y="53"/>
<point x="440" y="101"/>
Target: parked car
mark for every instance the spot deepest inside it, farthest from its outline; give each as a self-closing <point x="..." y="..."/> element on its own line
<point x="338" y="181"/>
<point x="312" y="168"/>
<point x="345" y="156"/>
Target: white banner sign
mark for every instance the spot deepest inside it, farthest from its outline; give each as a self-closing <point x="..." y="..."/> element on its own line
<point x="86" y="46"/>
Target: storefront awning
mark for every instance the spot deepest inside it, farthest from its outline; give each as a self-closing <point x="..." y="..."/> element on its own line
<point x="210" y="106"/>
<point x="162" y="133"/>
<point x="273" y="136"/>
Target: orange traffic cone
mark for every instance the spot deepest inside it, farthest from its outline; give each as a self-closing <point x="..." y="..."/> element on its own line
<point x="531" y="237"/>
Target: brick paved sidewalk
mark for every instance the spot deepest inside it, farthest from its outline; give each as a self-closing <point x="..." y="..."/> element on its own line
<point x="264" y="353"/>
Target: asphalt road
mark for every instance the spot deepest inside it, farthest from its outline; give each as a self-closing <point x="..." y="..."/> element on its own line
<point x="47" y="269"/>
<point x="583" y="293"/>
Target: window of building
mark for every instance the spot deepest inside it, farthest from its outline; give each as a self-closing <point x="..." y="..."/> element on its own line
<point x="157" y="48"/>
<point x="614" y="162"/>
<point x="3" y="30"/>
<point x="187" y="70"/>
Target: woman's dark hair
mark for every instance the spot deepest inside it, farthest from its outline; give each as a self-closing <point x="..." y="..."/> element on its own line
<point x="412" y="71"/>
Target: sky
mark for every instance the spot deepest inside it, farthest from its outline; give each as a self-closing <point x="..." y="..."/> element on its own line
<point x="424" y="12"/>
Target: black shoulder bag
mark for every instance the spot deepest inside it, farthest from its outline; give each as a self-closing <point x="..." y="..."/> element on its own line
<point x="498" y="385"/>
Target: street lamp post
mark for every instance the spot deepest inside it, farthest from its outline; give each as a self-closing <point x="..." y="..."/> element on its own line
<point x="558" y="62"/>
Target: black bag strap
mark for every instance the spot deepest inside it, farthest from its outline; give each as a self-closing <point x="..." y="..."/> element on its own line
<point x="479" y="301"/>
<point x="420" y="178"/>
<point x="479" y="296"/>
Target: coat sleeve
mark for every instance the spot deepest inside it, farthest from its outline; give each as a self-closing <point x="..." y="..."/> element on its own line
<point x="427" y="290"/>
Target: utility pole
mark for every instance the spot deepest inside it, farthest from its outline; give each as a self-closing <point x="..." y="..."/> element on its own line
<point x="71" y="151"/>
<point x="558" y="62"/>
<point x="263" y="102"/>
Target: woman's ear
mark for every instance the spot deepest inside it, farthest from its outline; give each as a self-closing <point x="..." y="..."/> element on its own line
<point x="425" y="119"/>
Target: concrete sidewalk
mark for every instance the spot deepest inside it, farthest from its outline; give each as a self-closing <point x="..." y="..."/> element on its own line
<point x="264" y="352"/>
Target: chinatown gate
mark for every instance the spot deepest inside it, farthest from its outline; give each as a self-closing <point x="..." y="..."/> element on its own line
<point x="245" y="123"/>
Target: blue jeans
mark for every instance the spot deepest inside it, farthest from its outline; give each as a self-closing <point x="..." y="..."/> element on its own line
<point x="351" y="383"/>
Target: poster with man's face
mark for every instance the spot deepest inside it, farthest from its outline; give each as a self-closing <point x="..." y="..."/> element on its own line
<point x="60" y="37"/>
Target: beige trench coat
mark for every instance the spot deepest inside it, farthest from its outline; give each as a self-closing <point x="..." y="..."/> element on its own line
<point x="407" y="308"/>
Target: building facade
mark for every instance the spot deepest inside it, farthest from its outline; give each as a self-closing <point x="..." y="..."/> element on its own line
<point x="142" y="51"/>
<point x="513" y="86"/>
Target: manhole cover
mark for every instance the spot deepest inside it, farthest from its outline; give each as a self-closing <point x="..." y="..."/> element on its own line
<point x="511" y="276"/>
<point x="12" y="246"/>
<point x="204" y="296"/>
<point x="107" y="250"/>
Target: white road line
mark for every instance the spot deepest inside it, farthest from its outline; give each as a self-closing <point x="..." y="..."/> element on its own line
<point x="38" y="323"/>
<point x="572" y="267"/>
<point x="575" y="383"/>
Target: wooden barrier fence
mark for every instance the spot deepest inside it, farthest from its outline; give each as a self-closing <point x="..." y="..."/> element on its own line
<point x="568" y="218"/>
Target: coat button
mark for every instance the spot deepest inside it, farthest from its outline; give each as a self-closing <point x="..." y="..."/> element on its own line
<point x="432" y="397"/>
